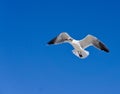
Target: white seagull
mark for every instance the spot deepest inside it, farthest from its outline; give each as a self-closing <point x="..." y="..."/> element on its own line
<point x="79" y="45"/>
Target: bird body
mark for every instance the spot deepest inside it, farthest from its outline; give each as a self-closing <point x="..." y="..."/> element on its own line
<point x="75" y="44"/>
<point x="79" y="45"/>
<point x="78" y="50"/>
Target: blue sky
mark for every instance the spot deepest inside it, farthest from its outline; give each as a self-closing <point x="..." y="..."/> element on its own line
<point x="29" y="66"/>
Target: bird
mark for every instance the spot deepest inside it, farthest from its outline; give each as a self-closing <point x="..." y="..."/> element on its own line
<point x="79" y="45"/>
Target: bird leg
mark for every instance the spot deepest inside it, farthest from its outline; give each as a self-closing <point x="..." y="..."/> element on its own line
<point x="80" y="54"/>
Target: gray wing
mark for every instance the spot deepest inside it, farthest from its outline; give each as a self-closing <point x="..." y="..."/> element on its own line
<point x="62" y="37"/>
<point x="90" y="40"/>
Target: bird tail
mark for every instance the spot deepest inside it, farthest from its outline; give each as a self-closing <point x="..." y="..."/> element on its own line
<point x="82" y="54"/>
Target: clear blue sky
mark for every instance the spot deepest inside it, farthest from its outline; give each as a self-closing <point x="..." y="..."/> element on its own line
<point x="29" y="66"/>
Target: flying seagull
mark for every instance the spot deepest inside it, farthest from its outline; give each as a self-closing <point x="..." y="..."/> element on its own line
<point x="79" y="45"/>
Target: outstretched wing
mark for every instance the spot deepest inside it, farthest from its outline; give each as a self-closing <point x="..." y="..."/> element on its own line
<point x="62" y="37"/>
<point x="90" y="40"/>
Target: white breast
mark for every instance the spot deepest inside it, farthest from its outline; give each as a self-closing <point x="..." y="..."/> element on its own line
<point x="78" y="50"/>
<point x="76" y="45"/>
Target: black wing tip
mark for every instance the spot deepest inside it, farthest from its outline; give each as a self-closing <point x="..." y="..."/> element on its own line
<point x="102" y="46"/>
<point x="106" y="50"/>
<point x="52" y="41"/>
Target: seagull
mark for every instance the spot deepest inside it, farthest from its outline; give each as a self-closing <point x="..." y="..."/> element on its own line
<point x="79" y="45"/>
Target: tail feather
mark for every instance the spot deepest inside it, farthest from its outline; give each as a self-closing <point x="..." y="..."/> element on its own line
<point x="82" y="54"/>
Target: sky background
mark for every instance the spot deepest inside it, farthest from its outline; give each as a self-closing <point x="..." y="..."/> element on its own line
<point x="29" y="66"/>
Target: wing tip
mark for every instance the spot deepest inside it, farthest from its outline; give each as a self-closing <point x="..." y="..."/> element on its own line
<point x="52" y="41"/>
<point x="49" y="43"/>
<point x="106" y="50"/>
<point x="103" y="47"/>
